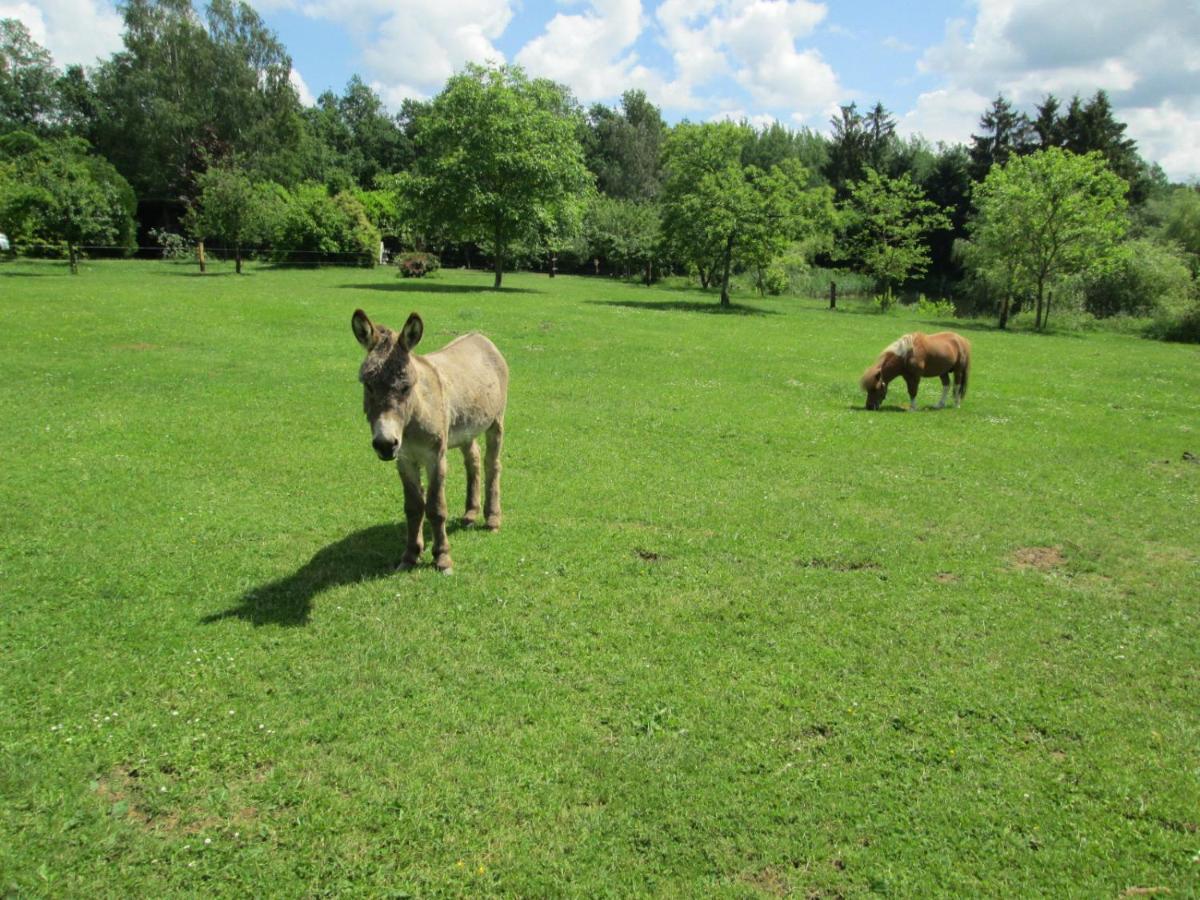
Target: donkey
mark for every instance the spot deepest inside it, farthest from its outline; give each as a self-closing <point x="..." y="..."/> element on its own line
<point x="916" y="356"/>
<point x="421" y="406"/>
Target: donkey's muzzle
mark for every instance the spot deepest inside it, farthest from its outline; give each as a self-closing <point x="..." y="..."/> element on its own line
<point x="385" y="448"/>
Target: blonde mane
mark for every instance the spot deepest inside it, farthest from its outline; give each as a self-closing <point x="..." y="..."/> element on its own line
<point x="901" y="347"/>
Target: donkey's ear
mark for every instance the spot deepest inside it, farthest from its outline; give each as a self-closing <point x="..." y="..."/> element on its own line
<point x="410" y="334"/>
<point x="364" y="329"/>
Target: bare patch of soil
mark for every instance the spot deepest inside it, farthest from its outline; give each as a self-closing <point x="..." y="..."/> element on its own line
<point x="1044" y="559"/>
<point x="769" y="881"/>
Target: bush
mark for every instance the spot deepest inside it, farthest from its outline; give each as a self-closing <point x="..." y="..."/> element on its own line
<point x="417" y="265"/>
<point x="935" y="309"/>
<point x="883" y="302"/>
<point x="314" y="227"/>
<point x="774" y="279"/>
<point x="174" y="246"/>
<point x="1148" y="277"/>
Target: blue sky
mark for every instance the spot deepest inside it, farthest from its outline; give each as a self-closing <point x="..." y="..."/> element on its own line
<point x="936" y="66"/>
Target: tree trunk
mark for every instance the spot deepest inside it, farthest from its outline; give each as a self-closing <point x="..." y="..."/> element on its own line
<point x="237" y="260"/>
<point x="649" y="272"/>
<point x="703" y="277"/>
<point x="200" y="255"/>
<point x="725" y="274"/>
<point x="833" y="295"/>
<point x="74" y="257"/>
<point x="499" y="269"/>
<point x="553" y="265"/>
<point x="1004" y="311"/>
<point x="1046" y="318"/>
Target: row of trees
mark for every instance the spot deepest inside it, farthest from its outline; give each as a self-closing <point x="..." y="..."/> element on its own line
<point x="198" y="117"/>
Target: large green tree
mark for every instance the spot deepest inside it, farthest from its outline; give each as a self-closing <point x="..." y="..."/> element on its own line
<point x="1004" y="132"/>
<point x="718" y="213"/>
<point x="498" y="158"/>
<point x="1046" y="216"/>
<point x="623" y="147"/>
<point x="187" y="91"/>
<point x="886" y="222"/>
<point x="28" y="95"/>
<point x="56" y="191"/>
<point x="623" y="233"/>
<point x="229" y="207"/>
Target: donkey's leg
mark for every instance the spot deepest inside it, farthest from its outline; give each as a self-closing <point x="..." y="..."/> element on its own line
<point x="913" y="382"/>
<point x="435" y="508"/>
<point x="945" y="391"/>
<point x="491" y="464"/>
<point x="471" y="458"/>
<point x="414" y="512"/>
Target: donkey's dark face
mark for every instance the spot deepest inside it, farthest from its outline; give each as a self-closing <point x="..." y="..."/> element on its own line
<point x="388" y="377"/>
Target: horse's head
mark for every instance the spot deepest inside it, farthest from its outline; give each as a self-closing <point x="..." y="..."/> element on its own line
<point x="872" y="382"/>
<point x="388" y="377"/>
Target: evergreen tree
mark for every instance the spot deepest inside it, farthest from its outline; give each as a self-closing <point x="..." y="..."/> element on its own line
<point x="1005" y="133"/>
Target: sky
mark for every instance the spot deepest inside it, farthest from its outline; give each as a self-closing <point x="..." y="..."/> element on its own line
<point x="937" y="66"/>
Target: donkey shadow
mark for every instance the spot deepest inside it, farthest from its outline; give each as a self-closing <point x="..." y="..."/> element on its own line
<point x="362" y="556"/>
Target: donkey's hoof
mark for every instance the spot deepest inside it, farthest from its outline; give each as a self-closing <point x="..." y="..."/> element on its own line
<point x="493" y="523"/>
<point x="469" y="520"/>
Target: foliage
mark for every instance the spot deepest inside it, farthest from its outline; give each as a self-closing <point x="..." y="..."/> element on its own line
<point x="499" y="161"/>
<point x="858" y="142"/>
<point x="1046" y="216"/>
<point x="313" y="227"/>
<point x="884" y="223"/>
<point x="1006" y="133"/>
<point x="230" y="208"/>
<point x="187" y="92"/>
<point x="174" y="245"/>
<point x="1145" y="277"/>
<point x="934" y="309"/>
<point x="717" y="212"/>
<point x="362" y="139"/>
<point x="28" y="81"/>
<point x="1177" y="216"/>
<point x="623" y="148"/>
<point x="55" y="190"/>
<point x="623" y="234"/>
<point x="417" y="264"/>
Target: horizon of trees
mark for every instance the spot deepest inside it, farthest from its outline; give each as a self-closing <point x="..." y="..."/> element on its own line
<point x="193" y="93"/>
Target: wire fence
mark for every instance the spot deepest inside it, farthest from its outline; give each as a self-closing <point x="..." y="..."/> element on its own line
<point x="190" y="255"/>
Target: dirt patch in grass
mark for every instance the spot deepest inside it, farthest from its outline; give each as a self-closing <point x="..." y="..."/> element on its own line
<point x="137" y="346"/>
<point x="769" y="881"/>
<point x="839" y="565"/>
<point x="647" y="555"/>
<point x="945" y="578"/>
<point x="1044" y="559"/>
<point x="119" y="788"/>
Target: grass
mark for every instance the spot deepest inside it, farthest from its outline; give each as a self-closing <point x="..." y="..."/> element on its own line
<point x="736" y="638"/>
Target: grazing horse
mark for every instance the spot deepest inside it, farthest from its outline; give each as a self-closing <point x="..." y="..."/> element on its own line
<point x="916" y="356"/>
<point x="421" y="406"/>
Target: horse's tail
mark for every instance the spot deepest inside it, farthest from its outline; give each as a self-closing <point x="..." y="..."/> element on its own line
<point x="966" y="370"/>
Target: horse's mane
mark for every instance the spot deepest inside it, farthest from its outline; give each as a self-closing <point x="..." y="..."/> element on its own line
<point x="901" y="347"/>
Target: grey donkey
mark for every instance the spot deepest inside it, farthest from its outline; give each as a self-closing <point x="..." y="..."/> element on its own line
<point x="421" y="406"/>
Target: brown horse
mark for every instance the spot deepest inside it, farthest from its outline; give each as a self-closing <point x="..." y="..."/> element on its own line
<point x="421" y="406"/>
<point x="916" y="356"/>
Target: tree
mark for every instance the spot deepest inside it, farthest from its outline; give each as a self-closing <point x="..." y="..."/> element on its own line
<point x="717" y="212"/>
<point x="886" y="221"/>
<point x="1006" y="133"/>
<point x="1046" y="216"/>
<point x="28" y="99"/>
<point x="624" y="148"/>
<point x="57" y="191"/>
<point x="623" y="233"/>
<point x="858" y="142"/>
<point x="499" y="157"/>
<point x="229" y="207"/>
<point x="183" y="85"/>
<point x="358" y="135"/>
<point x="948" y="186"/>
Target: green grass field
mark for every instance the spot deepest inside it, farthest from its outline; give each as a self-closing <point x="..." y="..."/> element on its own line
<point x="736" y="638"/>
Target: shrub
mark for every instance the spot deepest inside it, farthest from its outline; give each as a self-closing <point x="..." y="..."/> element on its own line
<point x="314" y="227"/>
<point x="883" y="302"/>
<point x="935" y="309"/>
<point x="774" y="279"/>
<point x="174" y="246"/>
<point x="1148" y="277"/>
<point x="417" y="265"/>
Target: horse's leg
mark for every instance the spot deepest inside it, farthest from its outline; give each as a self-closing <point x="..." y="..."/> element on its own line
<point x="414" y="512"/>
<point x="945" y="391"/>
<point x="958" y="387"/>
<point x="913" y="382"/>
<point x="435" y="508"/>
<point x="471" y="458"/>
<point x="491" y="465"/>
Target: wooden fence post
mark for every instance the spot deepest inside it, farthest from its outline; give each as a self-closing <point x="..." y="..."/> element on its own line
<point x="200" y="255"/>
<point x="833" y="295"/>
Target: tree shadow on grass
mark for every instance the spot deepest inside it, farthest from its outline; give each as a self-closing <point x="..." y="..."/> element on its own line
<point x="711" y="309"/>
<point x="409" y="287"/>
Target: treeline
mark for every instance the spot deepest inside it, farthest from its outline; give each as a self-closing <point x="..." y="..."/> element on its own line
<point x="194" y="132"/>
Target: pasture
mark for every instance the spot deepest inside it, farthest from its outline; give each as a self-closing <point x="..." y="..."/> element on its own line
<point x="737" y="636"/>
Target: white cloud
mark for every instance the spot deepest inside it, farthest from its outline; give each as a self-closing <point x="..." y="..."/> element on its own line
<point x="302" y="90"/>
<point x="1145" y="55"/>
<point x="591" y="51"/>
<point x="410" y="50"/>
<point x="74" y="31"/>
